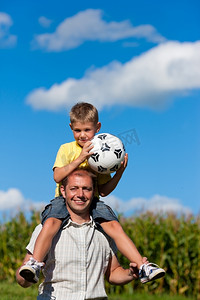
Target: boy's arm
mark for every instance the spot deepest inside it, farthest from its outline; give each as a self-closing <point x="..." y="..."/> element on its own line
<point x="61" y="172"/>
<point x="108" y="187"/>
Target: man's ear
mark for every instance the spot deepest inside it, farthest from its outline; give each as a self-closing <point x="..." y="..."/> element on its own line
<point x="62" y="189"/>
<point x="98" y="127"/>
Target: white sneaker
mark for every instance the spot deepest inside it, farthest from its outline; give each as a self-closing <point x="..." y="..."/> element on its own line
<point x="31" y="270"/>
<point x="149" y="272"/>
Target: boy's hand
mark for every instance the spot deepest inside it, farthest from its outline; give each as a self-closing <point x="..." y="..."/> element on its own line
<point x="85" y="153"/>
<point x="124" y="164"/>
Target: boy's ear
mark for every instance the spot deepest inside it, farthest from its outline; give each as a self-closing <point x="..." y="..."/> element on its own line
<point x="70" y="124"/>
<point x="98" y="126"/>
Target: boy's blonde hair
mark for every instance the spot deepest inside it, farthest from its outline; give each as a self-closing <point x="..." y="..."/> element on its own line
<point x="84" y="112"/>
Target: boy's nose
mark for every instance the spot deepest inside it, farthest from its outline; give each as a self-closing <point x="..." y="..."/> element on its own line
<point x="82" y="134"/>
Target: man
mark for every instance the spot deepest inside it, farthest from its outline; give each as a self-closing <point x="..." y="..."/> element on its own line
<point x="80" y="255"/>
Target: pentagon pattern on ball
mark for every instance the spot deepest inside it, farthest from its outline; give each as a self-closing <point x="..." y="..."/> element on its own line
<point x="95" y="156"/>
<point x="115" y="168"/>
<point x="118" y="152"/>
<point x="105" y="147"/>
<point x="101" y="169"/>
<point x="101" y="136"/>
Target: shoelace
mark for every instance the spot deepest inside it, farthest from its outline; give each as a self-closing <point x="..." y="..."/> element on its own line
<point x="32" y="262"/>
<point x="148" y="267"/>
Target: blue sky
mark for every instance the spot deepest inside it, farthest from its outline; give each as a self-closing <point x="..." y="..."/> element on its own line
<point x="138" y="62"/>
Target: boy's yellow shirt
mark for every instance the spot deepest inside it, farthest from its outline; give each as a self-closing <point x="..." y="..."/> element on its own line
<point x="66" y="154"/>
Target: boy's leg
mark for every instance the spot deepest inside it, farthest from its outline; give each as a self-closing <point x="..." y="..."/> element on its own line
<point x="147" y="272"/>
<point x="54" y="215"/>
<point x="31" y="270"/>
<point x="123" y="242"/>
<point x="103" y="214"/>
<point x="44" y="239"/>
<point x="110" y="224"/>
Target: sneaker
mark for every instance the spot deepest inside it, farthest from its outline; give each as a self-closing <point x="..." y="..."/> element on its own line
<point x="149" y="272"/>
<point x="31" y="270"/>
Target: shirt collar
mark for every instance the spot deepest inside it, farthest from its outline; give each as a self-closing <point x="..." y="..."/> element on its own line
<point x="90" y="223"/>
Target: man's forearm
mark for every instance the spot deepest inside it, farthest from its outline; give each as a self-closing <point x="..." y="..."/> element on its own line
<point x="120" y="276"/>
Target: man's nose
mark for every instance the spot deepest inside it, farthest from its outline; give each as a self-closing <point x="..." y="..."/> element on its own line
<point x="80" y="192"/>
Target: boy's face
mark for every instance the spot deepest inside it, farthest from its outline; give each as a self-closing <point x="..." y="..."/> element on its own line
<point x="84" y="132"/>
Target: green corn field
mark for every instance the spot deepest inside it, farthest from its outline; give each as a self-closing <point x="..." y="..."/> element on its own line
<point x="172" y="242"/>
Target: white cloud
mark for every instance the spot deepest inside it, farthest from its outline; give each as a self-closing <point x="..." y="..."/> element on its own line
<point x="156" y="204"/>
<point x="44" y="22"/>
<point x="150" y="80"/>
<point x="7" y="40"/>
<point x="13" y="199"/>
<point x="88" y="25"/>
<point x="10" y="199"/>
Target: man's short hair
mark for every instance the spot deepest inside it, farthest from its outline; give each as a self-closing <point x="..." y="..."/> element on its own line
<point x="81" y="172"/>
<point x="84" y="112"/>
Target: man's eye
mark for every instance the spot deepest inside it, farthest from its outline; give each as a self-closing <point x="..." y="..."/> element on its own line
<point x="87" y="189"/>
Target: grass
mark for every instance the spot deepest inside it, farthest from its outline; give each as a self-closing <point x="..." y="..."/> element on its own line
<point x="171" y="241"/>
<point x="12" y="291"/>
<point x="146" y="296"/>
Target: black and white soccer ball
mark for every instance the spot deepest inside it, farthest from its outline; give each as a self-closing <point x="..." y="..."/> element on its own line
<point x="108" y="154"/>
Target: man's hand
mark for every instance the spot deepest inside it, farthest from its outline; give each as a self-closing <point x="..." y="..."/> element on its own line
<point x="133" y="270"/>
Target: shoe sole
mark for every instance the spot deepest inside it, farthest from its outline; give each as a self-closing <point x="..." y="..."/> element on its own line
<point x="28" y="275"/>
<point x="157" y="275"/>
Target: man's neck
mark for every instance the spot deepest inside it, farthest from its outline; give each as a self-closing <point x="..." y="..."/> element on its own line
<point x="79" y="219"/>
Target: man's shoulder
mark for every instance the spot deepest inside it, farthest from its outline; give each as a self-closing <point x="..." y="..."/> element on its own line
<point x="37" y="230"/>
<point x="106" y="237"/>
<point x="30" y="246"/>
<point x="99" y="229"/>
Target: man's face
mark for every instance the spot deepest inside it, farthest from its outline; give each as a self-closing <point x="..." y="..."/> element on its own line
<point x="78" y="193"/>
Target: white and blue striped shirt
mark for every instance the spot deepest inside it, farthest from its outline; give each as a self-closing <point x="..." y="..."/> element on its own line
<point x="76" y="263"/>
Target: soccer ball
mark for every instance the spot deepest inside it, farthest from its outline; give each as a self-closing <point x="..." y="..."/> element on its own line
<point x="108" y="153"/>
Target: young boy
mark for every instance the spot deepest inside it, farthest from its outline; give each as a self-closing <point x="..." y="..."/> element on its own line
<point x="84" y="124"/>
